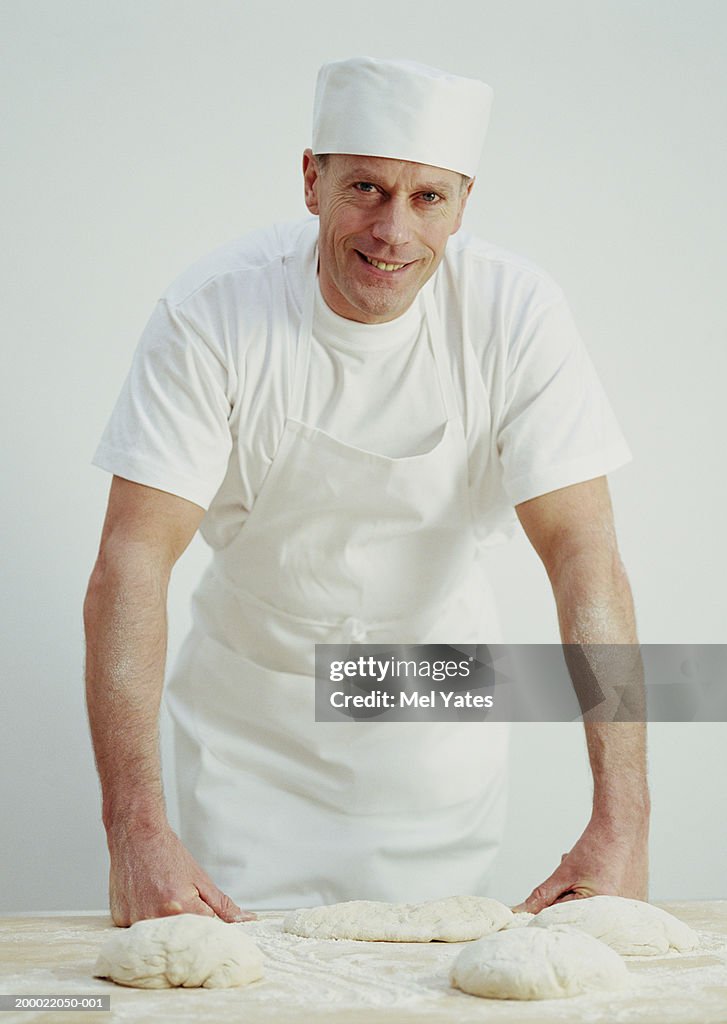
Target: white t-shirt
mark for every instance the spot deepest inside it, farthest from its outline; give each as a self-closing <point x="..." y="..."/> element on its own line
<point x="203" y="408"/>
<point x="374" y="386"/>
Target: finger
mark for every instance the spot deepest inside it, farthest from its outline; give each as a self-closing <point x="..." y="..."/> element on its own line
<point x="171" y="908"/>
<point x="145" y="910"/>
<point x="223" y="906"/>
<point x="568" y="896"/>
<point x="119" y="908"/>
<point x="547" y="893"/>
<point x="199" y="906"/>
<point x="191" y="905"/>
<point x="582" y="891"/>
<point x="120" y="913"/>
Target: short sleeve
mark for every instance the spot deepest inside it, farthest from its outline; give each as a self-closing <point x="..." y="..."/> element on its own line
<point x="170" y="427"/>
<point x="557" y="426"/>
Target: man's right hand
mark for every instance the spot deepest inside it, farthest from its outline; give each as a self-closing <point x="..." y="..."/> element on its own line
<point x="154" y="875"/>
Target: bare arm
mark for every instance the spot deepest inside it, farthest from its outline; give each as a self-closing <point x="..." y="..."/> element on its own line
<point x="572" y="531"/>
<point x="125" y="617"/>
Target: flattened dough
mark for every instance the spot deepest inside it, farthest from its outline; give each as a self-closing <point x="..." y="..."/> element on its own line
<point x="630" y="927"/>
<point x="453" y="919"/>
<point x="186" y="950"/>
<point x="530" y="963"/>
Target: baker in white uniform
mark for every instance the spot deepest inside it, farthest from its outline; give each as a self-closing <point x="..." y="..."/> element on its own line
<point x="349" y="408"/>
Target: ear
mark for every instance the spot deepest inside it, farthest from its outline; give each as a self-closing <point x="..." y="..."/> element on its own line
<point x="462" y="203"/>
<point x="311" y="173"/>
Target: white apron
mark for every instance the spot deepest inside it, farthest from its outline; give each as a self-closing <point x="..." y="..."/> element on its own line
<point x="342" y="546"/>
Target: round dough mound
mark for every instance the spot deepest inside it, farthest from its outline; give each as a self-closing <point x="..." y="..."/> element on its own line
<point x="525" y="963"/>
<point x="186" y="950"/>
<point x="453" y="919"/>
<point x="520" y="920"/>
<point x="631" y="927"/>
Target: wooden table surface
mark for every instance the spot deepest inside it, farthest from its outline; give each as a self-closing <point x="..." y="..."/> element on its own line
<point x="381" y="982"/>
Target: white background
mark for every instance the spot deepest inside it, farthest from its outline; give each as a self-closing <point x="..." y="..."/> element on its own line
<point x="139" y="134"/>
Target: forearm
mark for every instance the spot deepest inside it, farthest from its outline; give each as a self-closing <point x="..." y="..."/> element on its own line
<point x="617" y="753"/>
<point x="572" y="530"/>
<point x="126" y="637"/>
<point x="593" y="596"/>
<point x="597" y="622"/>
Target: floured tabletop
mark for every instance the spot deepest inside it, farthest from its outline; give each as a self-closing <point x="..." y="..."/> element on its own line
<point x="332" y="981"/>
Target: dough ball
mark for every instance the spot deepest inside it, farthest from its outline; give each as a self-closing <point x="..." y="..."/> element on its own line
<point x="520" y="920"/>
<point x="453" y="919"/>
<point x="529" y="963"/>
<point x="186" y="950"/>
<point x="628" y="926"/>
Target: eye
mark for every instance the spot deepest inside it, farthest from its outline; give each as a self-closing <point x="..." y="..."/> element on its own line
<point x="365" y="186"/>
<point x="430" y="197"/>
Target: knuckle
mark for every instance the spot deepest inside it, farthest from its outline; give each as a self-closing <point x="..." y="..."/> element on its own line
<point x="170" y="907"/>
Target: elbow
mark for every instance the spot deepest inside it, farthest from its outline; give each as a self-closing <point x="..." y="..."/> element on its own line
<point x="124" y="573"/>
<point x="594" y="600"/>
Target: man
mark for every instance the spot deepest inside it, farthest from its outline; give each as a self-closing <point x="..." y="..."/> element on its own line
<point x="348" y="408"/>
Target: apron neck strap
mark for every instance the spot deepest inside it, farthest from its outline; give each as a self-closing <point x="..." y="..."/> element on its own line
<point x="302" y="352"/>
<point x="438" y="343"/>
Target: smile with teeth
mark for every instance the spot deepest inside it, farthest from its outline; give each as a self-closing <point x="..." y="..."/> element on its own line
<point x="383" y="266"/>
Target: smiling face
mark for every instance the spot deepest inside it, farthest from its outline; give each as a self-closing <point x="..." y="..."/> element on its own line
<point x="384" y="225"/>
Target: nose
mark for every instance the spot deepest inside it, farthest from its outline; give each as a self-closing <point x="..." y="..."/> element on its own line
<point x="392" y="225"/>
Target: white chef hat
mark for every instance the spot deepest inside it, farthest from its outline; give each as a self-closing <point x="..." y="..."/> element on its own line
<point x="401" y="109"/>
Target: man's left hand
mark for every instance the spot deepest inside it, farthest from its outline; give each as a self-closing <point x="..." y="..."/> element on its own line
<point x="604" y="861"/>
